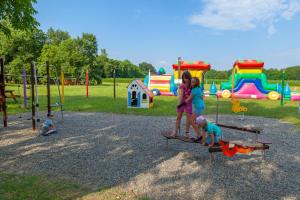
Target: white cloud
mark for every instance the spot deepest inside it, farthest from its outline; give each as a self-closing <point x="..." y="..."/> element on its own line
<point x="162" y="62"/>
<point x="244" y="14"/>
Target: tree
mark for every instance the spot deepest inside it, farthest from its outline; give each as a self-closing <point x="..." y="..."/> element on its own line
<point x="145" y="67"/>
<point x="19" y="13"/>
<point x="57" y="36"/>
<point x="20" y="48"/>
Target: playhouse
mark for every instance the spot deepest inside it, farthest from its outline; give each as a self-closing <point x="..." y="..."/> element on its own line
<point x="139" y="96"/>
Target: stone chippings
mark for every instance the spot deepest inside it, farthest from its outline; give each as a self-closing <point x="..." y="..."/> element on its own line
<point x="104" y="150"/>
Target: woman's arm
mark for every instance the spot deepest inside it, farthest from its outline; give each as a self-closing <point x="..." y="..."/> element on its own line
<point x="190" y="98"/>
<point x="180" y="94"/>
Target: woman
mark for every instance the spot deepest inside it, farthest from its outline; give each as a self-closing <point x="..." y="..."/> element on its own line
<point x="184" y="92"/>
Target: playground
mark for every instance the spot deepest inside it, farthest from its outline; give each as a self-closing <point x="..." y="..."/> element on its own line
<point x="126" y="155"/>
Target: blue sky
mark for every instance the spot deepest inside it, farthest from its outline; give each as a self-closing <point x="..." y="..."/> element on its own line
<point x="158" y="31"/>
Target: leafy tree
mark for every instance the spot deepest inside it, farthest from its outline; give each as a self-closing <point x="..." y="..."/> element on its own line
<point x="19" y="13"/>
<point x="145" y="67"/>
<point x="56" y="36"/>
<point x="20" y="48"/>
<point x="293" y="73"/>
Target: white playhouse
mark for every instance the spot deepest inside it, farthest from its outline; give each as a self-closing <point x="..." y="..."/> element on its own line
<point x="139" y="96"/>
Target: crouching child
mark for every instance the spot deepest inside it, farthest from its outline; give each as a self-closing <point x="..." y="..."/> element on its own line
<point x="211" y="134"/>
<point x="48" y="126"/>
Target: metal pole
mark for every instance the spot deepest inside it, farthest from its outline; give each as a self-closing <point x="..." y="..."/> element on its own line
<point x="179" y="73"/>
<point x="217" y="113"/>
<point x="87" y="82"/>
<point x="2" y="89"/>
<point x="48" y="88"/>
<point x="32" y="96"/>
<point x="114" y="83"/>
<point x="60" y="104"/>
<point x="62" y="87"/>
<point x="282" y="87"/>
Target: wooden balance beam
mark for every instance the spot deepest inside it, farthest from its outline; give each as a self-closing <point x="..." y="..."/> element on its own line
<point x="256" y="130"/>
<point x="231" y="148"/>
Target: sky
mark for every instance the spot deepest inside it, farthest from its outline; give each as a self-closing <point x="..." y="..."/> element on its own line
<point x="160" y="31"/>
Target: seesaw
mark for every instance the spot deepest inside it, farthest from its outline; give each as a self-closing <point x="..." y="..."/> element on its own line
<point x="229" y="148"/>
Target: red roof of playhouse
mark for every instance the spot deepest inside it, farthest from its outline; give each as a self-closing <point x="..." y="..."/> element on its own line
<point x="142" y="85"/>
<point x="249" y="64"/>
<point x="200" y="65"/>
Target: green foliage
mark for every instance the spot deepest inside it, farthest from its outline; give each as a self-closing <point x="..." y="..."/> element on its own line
<point x="19" y="13"/>
<point x="145" y="67"/>
<point x="214" y="74"/>
<point x="293" y="73"/>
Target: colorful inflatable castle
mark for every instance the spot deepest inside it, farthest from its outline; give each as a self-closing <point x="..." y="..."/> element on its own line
<point x="197" y="69"/>
<point x="161" y="84"/>
<point x="166" y="84"/>
<point x="248" y="81"/>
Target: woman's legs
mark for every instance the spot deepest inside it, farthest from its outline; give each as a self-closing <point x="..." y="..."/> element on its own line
<point x="178" y="122"/>
<point x="188" y="124"/>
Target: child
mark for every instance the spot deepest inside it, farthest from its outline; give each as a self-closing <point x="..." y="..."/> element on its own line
<point x="184" y="93"/>
<point x="198" y="104"/>
<point x="214" y="131"/>
<point x="48" y="126"/>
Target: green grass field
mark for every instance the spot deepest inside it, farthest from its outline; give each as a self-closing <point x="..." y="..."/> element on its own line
<point x="101" y="100"/>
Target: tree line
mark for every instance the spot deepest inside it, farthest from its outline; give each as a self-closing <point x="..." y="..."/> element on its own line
<point x="74" y="55"/>
<point x="71" y="55"/>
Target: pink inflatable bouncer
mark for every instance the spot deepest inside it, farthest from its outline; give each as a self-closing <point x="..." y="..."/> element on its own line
<point x="295" y="97"/>
<point x="249" y="91"/>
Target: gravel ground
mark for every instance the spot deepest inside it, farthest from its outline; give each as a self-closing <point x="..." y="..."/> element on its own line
<point x="101" y="150"/>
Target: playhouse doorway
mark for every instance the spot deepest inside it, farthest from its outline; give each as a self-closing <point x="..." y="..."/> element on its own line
<point x="133" y="99"/>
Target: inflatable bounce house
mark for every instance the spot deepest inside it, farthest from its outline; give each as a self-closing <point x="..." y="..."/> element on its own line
<point x="166" y="84"/>
<point x="161" y="84"/>
<point x="247" y="81"/>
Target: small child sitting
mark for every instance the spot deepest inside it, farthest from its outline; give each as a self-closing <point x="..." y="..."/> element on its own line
<point x="214" y="131"/>
<point x="48" y="126"/>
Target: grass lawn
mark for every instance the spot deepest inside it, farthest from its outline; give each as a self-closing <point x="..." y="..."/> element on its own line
<point x="16" y="187"/>
<point x="36" y="187"/>
<point x="101" y="100"/>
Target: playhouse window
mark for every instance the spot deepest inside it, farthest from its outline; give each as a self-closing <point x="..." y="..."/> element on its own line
<point x="144" y="96"/>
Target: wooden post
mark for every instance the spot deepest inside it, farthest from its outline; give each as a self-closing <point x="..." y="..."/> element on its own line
<point x="48" y="88"/>
<point x="24" y="87"/>
<point x="2" y="92"/>
<point x="32" y="96"/>
<point x="87" y="82"/>
<point x="62" y="78"/>
<point x="114" y="83"/>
